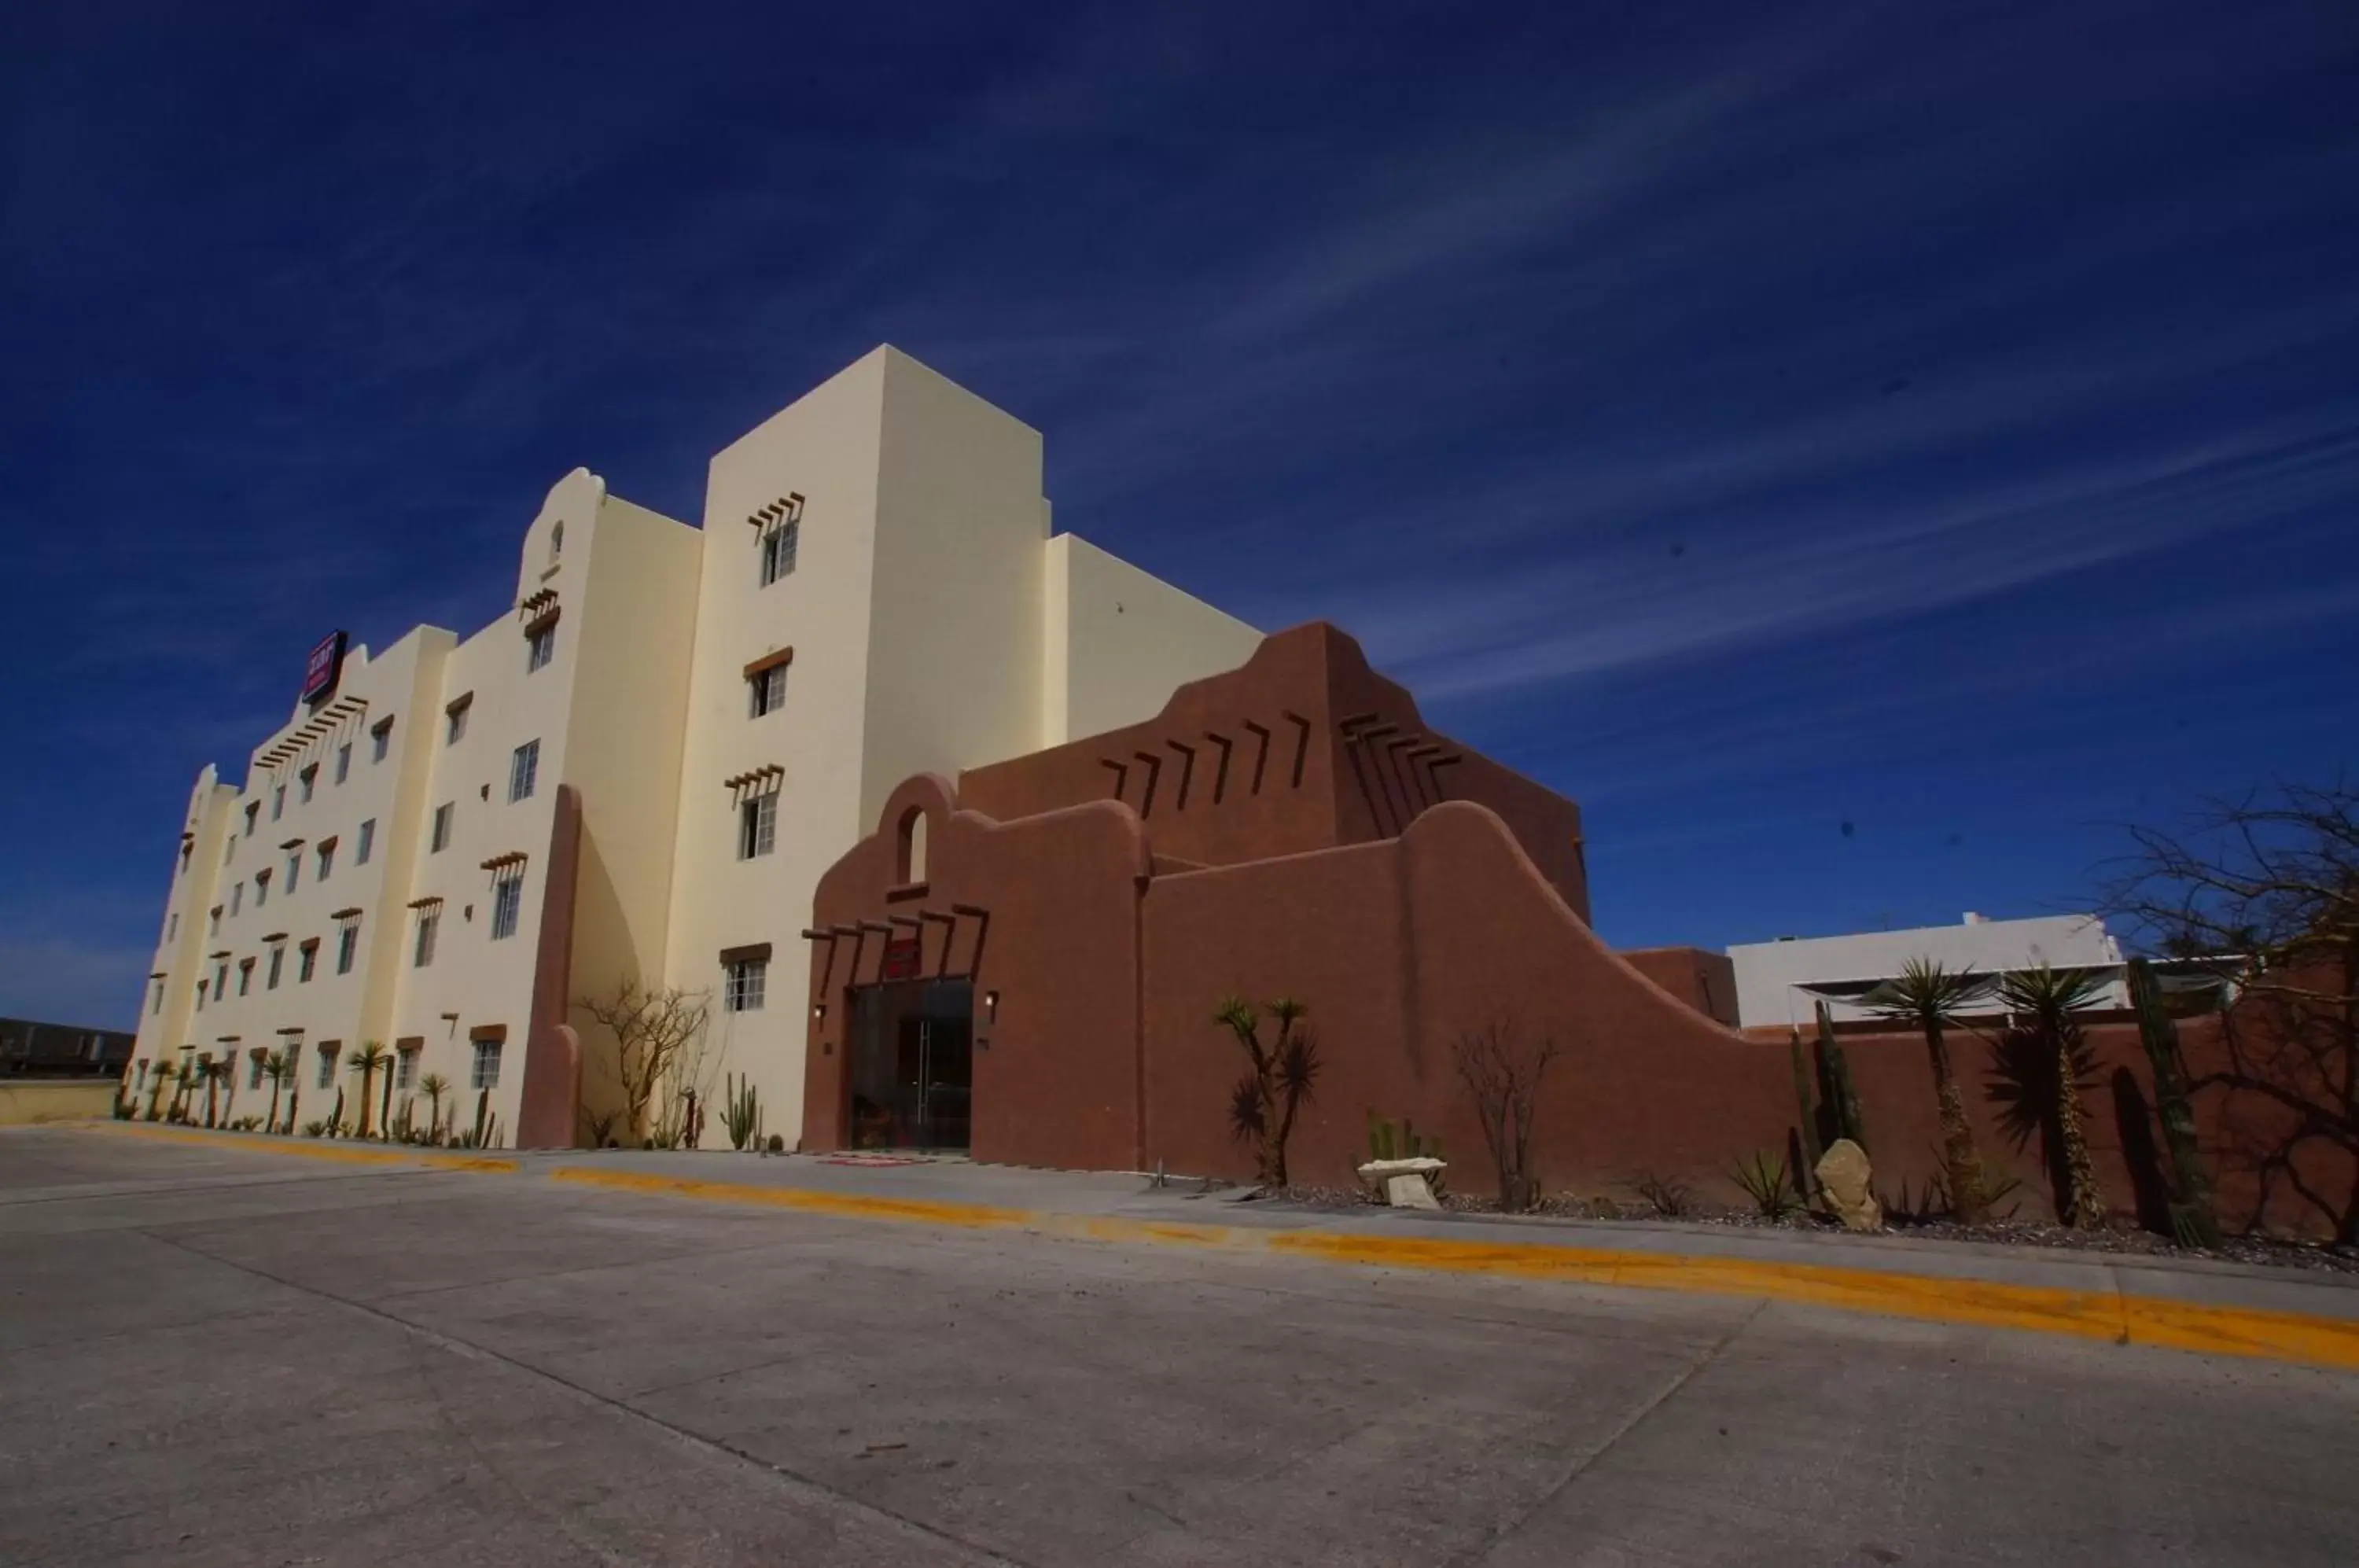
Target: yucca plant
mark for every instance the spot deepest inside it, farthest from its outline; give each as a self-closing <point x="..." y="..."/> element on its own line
<point x="434" y="1086"/>
<point x="2048" y="1005"/>
<point x="1284" y="1070"/>
<point x="1770" y="1185"/>
<point x="364" y="1060"/>
<point x="1931" y="996"/>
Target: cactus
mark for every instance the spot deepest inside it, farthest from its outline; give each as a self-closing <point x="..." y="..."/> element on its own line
<point x="1809" y="1122"/>
<point x="1835" y="1083"/>
<point x="1390" y="1140"/>
<point x="2191" y="1215"/>
<point x="741" y="1112"/>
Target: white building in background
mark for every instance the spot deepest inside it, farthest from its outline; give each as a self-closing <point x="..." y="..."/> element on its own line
<point x="1781" y="982"/>
<point x="640" y="772"/>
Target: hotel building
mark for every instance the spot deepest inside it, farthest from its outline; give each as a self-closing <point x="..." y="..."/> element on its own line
<point x="638" y="774"/>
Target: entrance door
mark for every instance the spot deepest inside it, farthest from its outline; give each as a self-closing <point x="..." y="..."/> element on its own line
<point x="912" y="1065"/>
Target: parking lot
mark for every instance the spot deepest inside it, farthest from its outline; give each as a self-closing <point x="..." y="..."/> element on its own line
<point x="215" y="1355"/>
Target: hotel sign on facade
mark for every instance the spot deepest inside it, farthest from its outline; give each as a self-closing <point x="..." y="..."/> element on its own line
<point x="322" y="667"/>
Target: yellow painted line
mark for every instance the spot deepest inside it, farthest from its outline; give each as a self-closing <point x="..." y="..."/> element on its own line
<point x="2034" y="1309"/>
<point x="312" y="1149"/>
<point x="847" y="1204"/>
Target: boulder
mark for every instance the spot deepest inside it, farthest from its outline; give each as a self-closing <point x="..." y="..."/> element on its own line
<point x="1844" y="1180"/>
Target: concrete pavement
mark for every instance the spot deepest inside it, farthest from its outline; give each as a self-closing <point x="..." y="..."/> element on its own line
<point x="216" y="1354"/>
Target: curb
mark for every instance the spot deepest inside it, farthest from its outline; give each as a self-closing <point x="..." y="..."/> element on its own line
<point x="2104" y="1316"/>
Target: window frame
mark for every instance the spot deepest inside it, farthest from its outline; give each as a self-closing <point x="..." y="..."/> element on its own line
<point x="745" y="984"/>
<point x="757" y="825"/>
<point x="508" y="906"/>
<point x="524" y="771"/>
<point x="487" y="1054"/>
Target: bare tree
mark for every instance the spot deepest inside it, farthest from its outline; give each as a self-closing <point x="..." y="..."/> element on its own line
<point x="2270" y="881"/>
<point x="1503" y="1074"/>
<point x="656" y="1028"/>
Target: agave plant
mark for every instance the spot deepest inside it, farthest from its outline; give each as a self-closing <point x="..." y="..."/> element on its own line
<point x="366" y="1059"/>
<point x="1931" y="998"/>
<point x="2048" y="1003"/>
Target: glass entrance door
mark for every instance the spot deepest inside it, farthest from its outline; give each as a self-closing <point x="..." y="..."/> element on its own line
<point x="912" y="1065"/>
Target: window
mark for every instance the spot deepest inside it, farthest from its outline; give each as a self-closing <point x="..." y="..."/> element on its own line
<point x="213" y="921"/>
<point x="380" y="741"/>
<point x="278" y="963"/>
<point x="254" y="1070"/>
<point x="404" y="1067"/>
<point x="423" y="954"/>
<point x="307" y="959"/>
<point x="523" y="769"/>
<point x="220" y="979"/>
<point x="757" y="827"/>
<point x="766" y="690"/>
<point x="348" y="942"/>
<point x="245" y="975"/>
<point x="487" y="1065"/>
<point x="236" y="898"/>
<point x="749" y="979"/>
<point x="172" y="925"/>
<point x="307" y="779"/>
<point x="327" y="1065"/>
<point x="326" y="853"/>
<point x="508" y="897"/>
<point x="229" y="852"/>
<point x="441" y="839"/>
<point x="156" y="1008"/>
<point x="454" y="724"/>
<point x="278" y="802"/>
<point x="909" y="848"/>
<point x="200" y="996"/>
<point x="344" y="762"/>
<point x="187" y="849"/>
<point x="556" y="540"/>
<point x="253" y="815"/>
<point x="541" y="647"/>
<point x="294" y="868"/>
<point x="261" y="888"/>
<point x="779" y="550"/>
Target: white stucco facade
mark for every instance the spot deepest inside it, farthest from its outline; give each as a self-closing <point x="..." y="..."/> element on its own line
<point x="875" y="557"/>
<point x="1782" y="982"/>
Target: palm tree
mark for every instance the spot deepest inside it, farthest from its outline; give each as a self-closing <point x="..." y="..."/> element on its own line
<point x="364" y="1060"/>
<point x="189" y="1072"/>
<point x="165" y="1073"/>
<point x="279" y="1066"/>
<point x="434" y="1086"/>
<point x="2046" y="1004"/>
<point x="1927" y="995"/>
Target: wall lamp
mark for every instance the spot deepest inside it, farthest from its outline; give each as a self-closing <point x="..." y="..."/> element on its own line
<point x="990" y="1007"/>
<point x="819" y="1012"/>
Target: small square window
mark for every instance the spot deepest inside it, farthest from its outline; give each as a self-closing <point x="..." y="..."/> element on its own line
<point x="487" y="1065"/>
<point x="367" y="841"/>
<point x="507" y="899"/>
<point x="757" y="827"/>
<point x="344" y="762"/>
<point x="748" y="980"/>
<point x="539" y="648"/>
<point x="440" y="839"/>
<point x="524" y="767"/>
<point x="766" y="690"/>
<point x="380" y="741"/>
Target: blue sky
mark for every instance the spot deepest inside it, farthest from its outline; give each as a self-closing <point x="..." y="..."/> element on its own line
<point x="1861" y="452"/>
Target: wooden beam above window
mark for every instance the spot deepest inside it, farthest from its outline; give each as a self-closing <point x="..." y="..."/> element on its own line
<point x="769" y="662"/>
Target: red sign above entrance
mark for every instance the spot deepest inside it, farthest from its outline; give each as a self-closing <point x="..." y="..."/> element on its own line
<point x="902" y="959"/>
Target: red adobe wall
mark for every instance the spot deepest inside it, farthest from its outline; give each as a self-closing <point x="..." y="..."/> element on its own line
<point x="1705" y="981"/>
<point x="1320" y="751"/>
